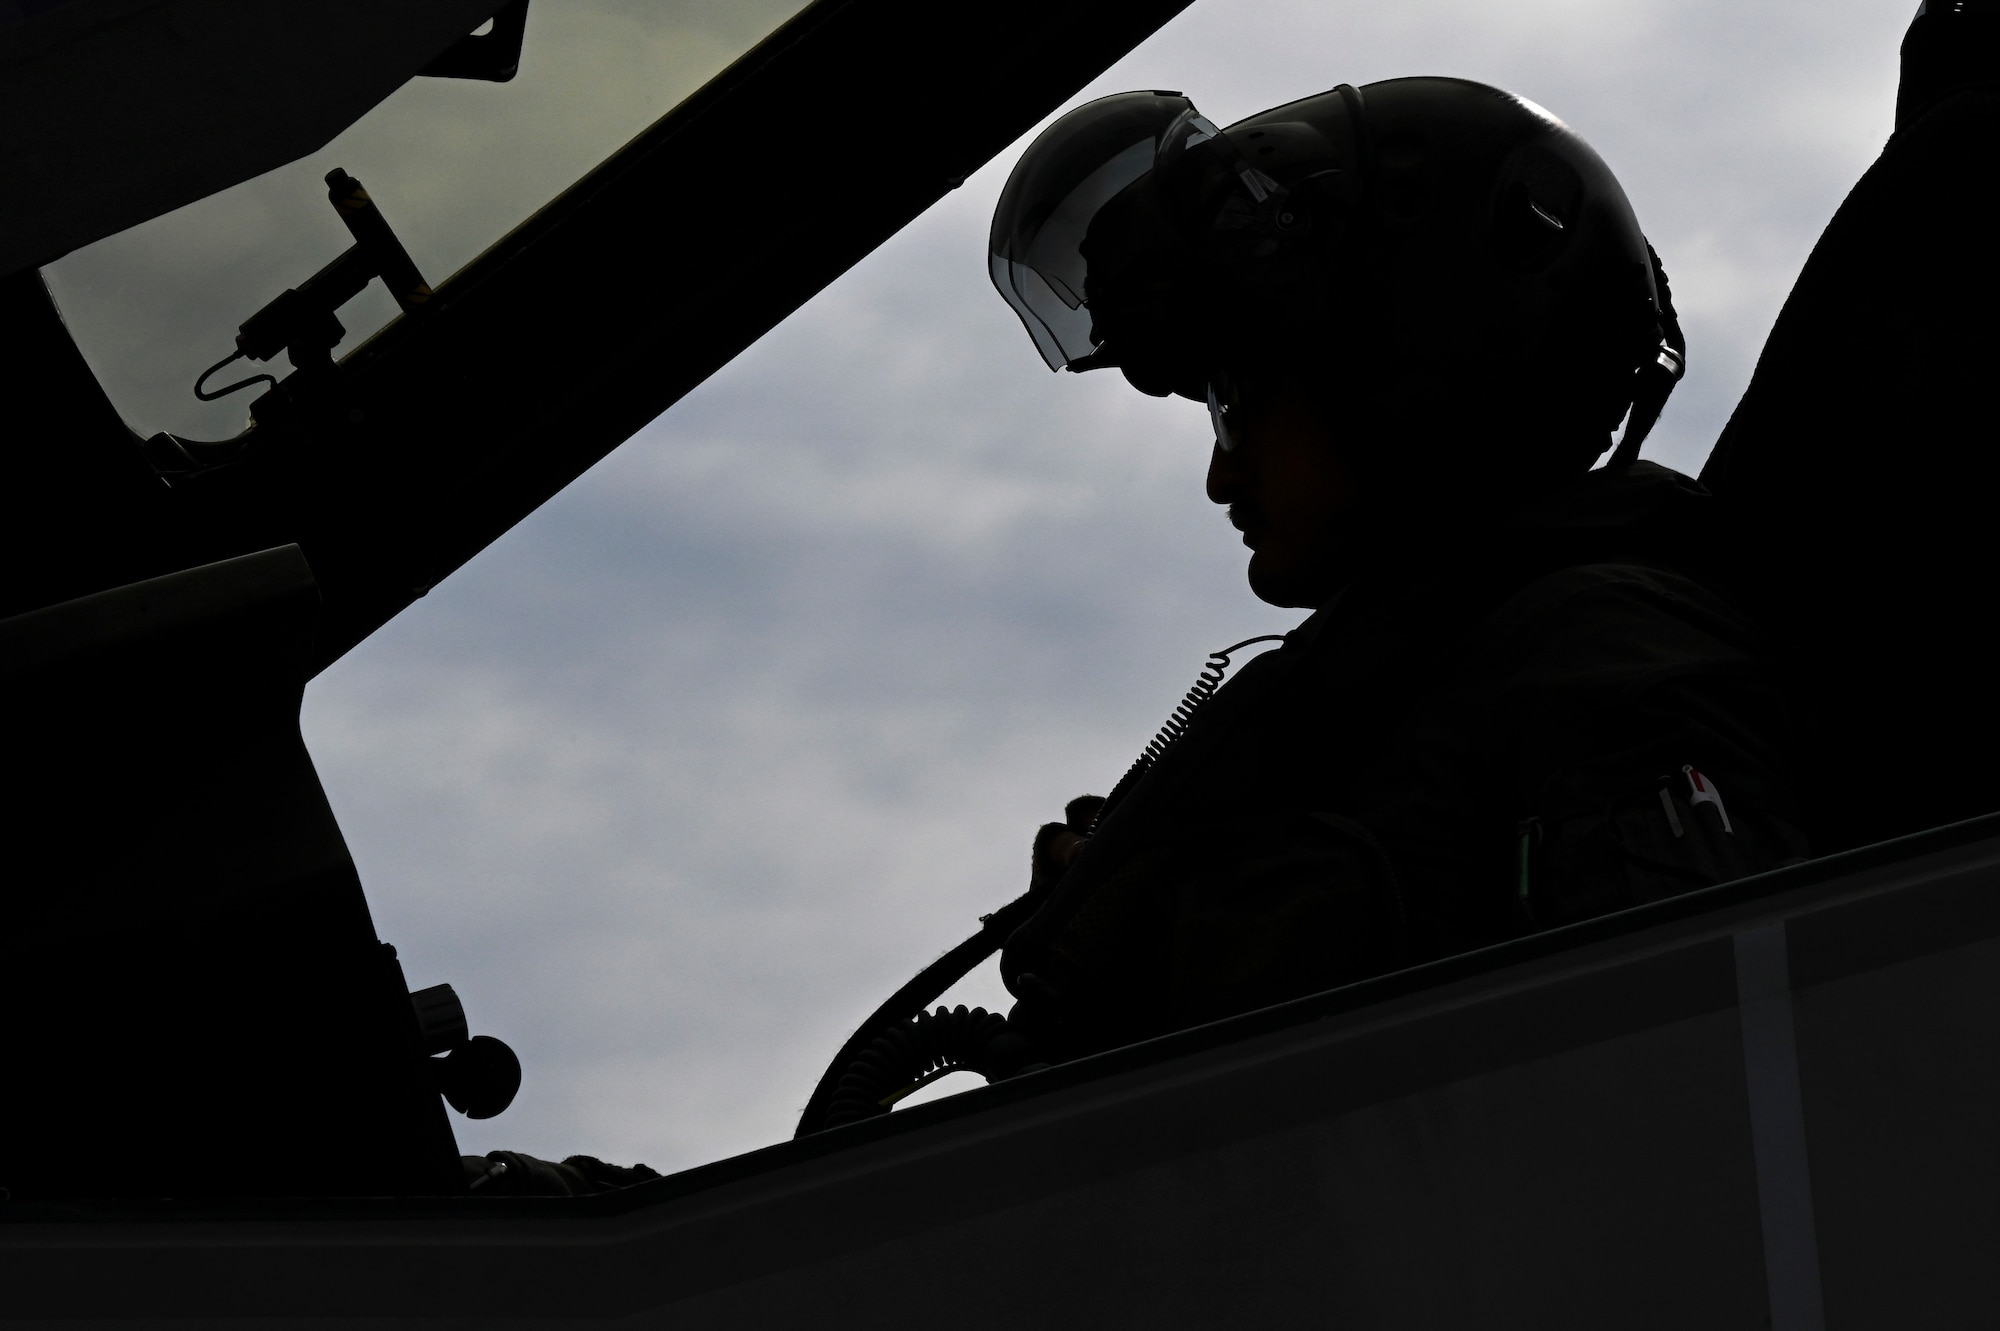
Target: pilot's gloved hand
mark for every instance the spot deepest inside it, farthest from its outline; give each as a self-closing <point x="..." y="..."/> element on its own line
<point x="1041" y="1011"/>
<point x="512" y="1174"/>
<point x="1058" y="844"/>
<point x="1063" y="1015"/>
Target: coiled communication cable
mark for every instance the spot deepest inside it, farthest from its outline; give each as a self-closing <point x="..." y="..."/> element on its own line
<point x="1176" y="725"/>
<point x="893" y="1052"/>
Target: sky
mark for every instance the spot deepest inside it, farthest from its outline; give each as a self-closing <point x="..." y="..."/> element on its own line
<point x="687" y="772"/>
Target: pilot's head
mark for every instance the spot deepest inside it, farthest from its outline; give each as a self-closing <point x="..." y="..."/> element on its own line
<point x="1397" y="301"/>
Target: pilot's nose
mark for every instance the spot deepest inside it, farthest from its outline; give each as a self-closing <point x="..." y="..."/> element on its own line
<point x="1225" y="475"/>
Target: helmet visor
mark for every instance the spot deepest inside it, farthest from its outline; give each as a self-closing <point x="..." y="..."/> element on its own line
<point x="1072" y="170"/>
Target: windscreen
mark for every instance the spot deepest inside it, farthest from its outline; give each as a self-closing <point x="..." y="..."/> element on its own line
<point x="454" y="165"/>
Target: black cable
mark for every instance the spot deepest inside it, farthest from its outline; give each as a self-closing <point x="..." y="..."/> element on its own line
<point x="911" y="999"/>
<point x="1205" y="685"/>
<point x="861" y="1056"/>
<point x="904" y="1055"/>
<point x="225" y="392"/>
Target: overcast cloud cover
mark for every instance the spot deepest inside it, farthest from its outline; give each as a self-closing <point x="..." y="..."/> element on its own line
<point x="683" y="775"/>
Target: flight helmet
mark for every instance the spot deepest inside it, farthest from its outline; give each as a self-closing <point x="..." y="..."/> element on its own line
<point x="1450" y="252"/>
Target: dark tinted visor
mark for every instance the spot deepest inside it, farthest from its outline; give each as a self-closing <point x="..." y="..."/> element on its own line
<point x="1068" y="173"/>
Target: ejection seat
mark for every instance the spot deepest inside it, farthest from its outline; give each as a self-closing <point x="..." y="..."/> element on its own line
<point x="1861" y="472"/>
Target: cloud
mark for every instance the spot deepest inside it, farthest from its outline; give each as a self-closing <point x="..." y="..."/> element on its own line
<point x="694" y="766"/>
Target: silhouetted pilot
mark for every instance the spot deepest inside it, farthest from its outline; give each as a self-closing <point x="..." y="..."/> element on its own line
<point x="1416" y="311"/>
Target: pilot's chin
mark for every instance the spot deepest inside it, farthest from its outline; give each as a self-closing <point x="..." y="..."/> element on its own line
<point x="1276" y="583"/>
<point x="1299" y="583"/>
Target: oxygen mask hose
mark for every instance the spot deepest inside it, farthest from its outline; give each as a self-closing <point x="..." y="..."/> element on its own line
<point x="893" y="1052"/>
<point x="929" y="984"/>
<point x="909" y="1055"/>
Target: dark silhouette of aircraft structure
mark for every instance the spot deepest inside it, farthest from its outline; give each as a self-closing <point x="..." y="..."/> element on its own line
<point x="1770" y="1100"/>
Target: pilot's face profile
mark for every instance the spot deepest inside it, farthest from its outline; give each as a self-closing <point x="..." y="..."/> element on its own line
<point x="1290" y="493"/>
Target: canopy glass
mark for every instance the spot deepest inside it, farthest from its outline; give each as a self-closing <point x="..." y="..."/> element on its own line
<point x="453" y="164"/>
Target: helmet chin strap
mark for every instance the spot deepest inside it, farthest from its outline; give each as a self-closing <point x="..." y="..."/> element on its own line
<point x="1656" y="380"/>
<point x="1657" y="377"/>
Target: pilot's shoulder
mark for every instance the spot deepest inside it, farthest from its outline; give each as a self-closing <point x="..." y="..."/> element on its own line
<point x="1642" y="616"/>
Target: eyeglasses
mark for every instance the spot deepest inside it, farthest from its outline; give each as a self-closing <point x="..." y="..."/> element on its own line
<point x="1225" y="412"/>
